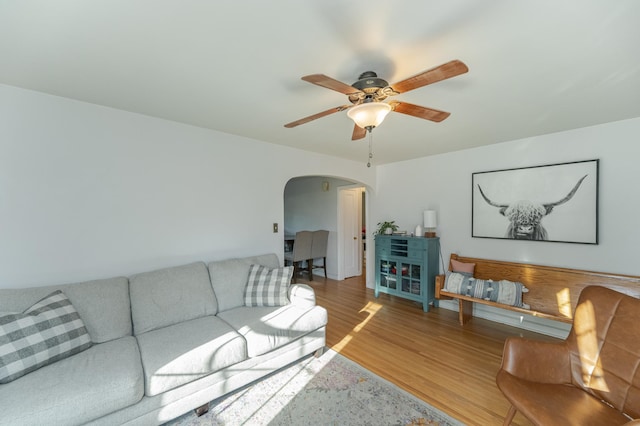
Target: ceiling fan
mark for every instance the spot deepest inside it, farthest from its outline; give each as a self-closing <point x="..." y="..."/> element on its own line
<point x="366" y="95"/>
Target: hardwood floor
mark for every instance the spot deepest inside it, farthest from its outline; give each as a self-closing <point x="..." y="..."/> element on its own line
<point x="429" y="354"/>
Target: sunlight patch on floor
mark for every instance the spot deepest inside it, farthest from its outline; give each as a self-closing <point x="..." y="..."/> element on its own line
<point x="264" y="407"/>
<point x="371" y="308"/>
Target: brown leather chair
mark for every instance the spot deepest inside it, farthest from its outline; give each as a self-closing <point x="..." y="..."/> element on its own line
<point x="592" y="378"/>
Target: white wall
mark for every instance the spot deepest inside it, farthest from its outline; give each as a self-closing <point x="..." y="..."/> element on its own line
<point x="91" y="192"/>
<point x="443" y="183"/>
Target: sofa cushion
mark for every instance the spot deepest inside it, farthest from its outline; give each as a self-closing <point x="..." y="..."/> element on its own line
<point x="169" y="296"/>
<point x="104" y="378"/>
<point x="47" y="332"/>
<point x="104" y="321"/>
<point x="184" y="352"/>
<point x="229" y="278"/>
<point x="268" y="287"/>
<point x="268" y="328"/>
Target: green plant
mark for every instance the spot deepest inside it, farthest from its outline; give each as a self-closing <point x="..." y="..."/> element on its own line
<point x="382" y="226"/>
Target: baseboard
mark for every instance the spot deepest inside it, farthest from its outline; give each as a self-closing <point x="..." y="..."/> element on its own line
<point x="319" y="272"/>
<point x="526" y="322"/>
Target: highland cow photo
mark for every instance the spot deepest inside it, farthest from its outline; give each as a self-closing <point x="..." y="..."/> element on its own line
<point x="556" y="203"/>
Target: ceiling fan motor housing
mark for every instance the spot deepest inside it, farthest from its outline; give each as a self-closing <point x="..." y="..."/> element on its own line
<point x="369" y="82"/>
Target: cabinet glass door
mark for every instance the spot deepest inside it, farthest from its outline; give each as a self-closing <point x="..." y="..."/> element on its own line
<point x="411" y="275"/>
<point x="388" y="277"/>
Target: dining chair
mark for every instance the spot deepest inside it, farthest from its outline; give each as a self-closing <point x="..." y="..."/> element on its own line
<point x="319" y="250"/>
<point x="301" y="252"/>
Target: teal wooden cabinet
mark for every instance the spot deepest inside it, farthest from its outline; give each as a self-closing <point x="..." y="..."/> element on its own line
<point x="407" y="267"/>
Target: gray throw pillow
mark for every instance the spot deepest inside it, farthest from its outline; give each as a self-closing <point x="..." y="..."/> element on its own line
<point x="47" y="332"/>
<point x="268" y="287"/>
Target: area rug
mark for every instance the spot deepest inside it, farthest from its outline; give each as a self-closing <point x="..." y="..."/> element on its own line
<point x="328" y="390"/>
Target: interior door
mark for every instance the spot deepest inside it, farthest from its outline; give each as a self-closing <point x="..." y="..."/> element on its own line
<point x="351" y="231"/>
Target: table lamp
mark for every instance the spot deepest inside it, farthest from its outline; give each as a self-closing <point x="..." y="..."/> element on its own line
<point x="430" y="223"/>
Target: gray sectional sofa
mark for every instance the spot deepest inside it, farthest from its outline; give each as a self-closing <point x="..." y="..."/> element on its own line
<point x="163" y="343"/>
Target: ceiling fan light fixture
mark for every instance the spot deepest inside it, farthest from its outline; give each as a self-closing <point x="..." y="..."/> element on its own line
<point x="369" y="115"/>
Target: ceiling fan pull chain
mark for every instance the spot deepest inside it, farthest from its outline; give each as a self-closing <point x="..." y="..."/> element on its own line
<point x="370" y="149"/>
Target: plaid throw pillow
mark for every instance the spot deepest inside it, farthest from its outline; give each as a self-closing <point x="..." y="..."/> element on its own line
<point x="45" y="333"/>
<point x="267" y="287"/>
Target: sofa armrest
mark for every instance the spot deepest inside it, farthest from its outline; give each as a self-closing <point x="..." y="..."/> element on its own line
<point x="302" y="295"/>
<point x="537" y="361"/>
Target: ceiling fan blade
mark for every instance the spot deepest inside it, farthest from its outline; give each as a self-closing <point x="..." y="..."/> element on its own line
<point x="330" y="83"/>
<point x="316" y="116"/>
<point x="358" y="133"/>
<point x="443" y="72"/>
<point x="419" y="111"/>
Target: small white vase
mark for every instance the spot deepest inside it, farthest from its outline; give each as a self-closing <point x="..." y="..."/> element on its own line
<point x="418" y="231"/>
<point x="388" y="231"/>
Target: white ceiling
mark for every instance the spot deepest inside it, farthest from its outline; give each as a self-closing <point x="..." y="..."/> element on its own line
<point x="535" y="67"/>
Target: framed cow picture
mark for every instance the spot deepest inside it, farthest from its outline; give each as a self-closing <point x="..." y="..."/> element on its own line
<point x="555" y="202"/>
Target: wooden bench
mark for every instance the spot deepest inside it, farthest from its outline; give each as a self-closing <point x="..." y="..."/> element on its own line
<point x="553" y="292"/>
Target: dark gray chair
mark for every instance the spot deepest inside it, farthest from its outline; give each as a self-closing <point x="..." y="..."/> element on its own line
<point x="319" y="250"/>
<point x="301" y="252"/>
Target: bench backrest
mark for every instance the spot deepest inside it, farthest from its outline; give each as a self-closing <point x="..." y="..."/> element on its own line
<point x="552" y="290"/>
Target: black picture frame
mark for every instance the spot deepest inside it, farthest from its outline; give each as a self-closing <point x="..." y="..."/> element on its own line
<point x="552" y="203"/>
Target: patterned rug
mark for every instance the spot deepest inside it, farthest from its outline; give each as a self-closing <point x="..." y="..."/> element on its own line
<point x="329" y="390"/>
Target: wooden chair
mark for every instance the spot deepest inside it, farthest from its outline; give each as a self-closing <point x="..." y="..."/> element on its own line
<point x="319" y="250"/>
<point x="301" y="252"/>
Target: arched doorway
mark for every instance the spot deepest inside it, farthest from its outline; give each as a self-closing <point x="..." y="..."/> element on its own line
<point x="319" y="202"/>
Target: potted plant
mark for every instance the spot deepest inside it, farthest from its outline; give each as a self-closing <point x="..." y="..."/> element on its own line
<point x="387" y="227"/>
